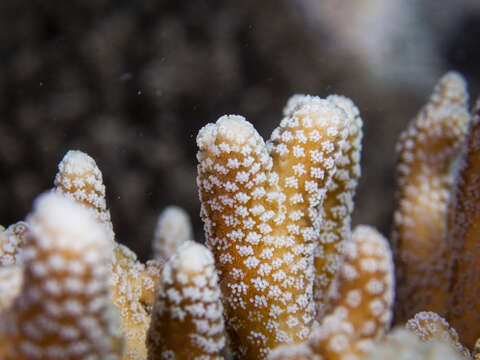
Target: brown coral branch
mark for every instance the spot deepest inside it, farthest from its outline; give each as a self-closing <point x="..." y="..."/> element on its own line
<point x="427" y="150"/>
<point x="465" y="303"/>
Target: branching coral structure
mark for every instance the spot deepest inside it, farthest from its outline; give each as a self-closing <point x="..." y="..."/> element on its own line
<point x="282" y="275"/>
<point x="261" y="204"/>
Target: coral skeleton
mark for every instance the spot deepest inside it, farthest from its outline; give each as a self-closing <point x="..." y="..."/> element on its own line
<point x="427" y="150"/>
<point x="187" y="319"/>
<point x="172" y="230"/>
<point x="63" y="310"/>
<point x="261" y="205"/>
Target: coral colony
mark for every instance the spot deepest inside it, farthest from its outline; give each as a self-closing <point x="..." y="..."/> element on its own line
<point x="282" y="275"/>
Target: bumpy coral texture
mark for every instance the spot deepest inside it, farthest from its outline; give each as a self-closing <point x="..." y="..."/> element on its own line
<point x="260" y="205"/>
<point x="427" y="151"/>
<point x="64" y="308"/>
<point x="187" y="320"/>
<point x="361" y="299"/>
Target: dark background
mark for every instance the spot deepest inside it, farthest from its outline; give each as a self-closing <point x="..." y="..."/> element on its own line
<point x="131" y="83"/>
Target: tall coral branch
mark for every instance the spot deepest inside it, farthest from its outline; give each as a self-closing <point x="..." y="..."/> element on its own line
<point x="427" y="150"/>
<point x="133" y="284"/>
<point x="464" y="310"/>
<point x="260" y="209"/>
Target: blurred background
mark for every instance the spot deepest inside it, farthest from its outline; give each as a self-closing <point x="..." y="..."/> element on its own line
<point x="131" y="83"/>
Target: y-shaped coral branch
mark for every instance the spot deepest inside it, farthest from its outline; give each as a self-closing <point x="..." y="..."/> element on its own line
<point x="427" y="150"/>
<point x="64" y="308"/>
<point x="360" y="301"/>
<point x="260" y="209"/>
<point x="187" y="320"/>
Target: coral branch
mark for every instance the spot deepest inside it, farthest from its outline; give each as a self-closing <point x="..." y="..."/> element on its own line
<point x="132" y="283"/>
<point x="402" y="344"/>
<point x="429" y="325"/>
<point x="173" y="229"/>
<point x="63" y="310"/>
<point x="338" y="205"/>
<point x="187" y="320"/>
<point x="427" y="150"/>
<point x="464" y="310"/>
<point x="360" y="301"/>
<point x="260" y="209"/>
<point x="79" y="178"/>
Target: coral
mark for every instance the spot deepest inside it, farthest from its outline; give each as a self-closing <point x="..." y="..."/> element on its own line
<point x="360" y="302"/>
<point x="338" y="204"/>
<point x="260" y="206"/>
<point x="464" y="305"/>
<point x="427" y="151"/>
<point x="187" y="319"/>
<point x="173" y="228"/>
<point x="63" y="310"/>
<point x="132" y="283"/>
<point x="402" y="344"/>
<point x="283" y="276"/>
<point x="293" y="352"/>
<point x="11" y="280"/>
<point x="12" y="241"/>
<point x="429" y="325"/>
